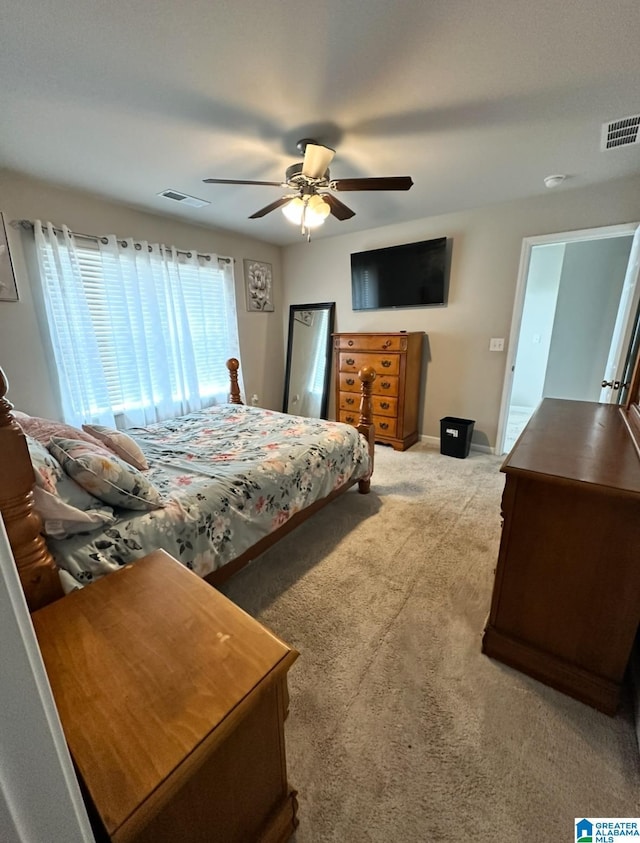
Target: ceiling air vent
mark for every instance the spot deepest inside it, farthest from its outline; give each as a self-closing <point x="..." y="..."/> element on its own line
<point x="184" y="198"/>
<point x="620" y="132"/>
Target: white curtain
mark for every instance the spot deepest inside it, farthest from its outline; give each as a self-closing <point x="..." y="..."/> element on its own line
<point x="139" y="332"/>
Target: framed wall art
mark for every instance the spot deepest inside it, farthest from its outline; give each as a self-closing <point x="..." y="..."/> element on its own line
<point x="8" y="287"/>
<point x="258" y="281"/>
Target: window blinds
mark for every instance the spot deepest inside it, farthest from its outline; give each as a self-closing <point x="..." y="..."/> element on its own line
<point x="139" y="332"/>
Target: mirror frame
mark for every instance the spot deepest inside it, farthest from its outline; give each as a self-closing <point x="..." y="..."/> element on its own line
<point x="330" y="307"/>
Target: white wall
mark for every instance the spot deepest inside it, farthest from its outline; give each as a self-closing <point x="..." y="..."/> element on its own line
<point x="21" y="348"/>
<point x="543" y="283"/>
<point x="462" y="377"/>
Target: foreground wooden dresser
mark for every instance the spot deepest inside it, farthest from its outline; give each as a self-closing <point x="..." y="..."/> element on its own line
<point x="566" y="599"/>
<point x="397" y="360"/>
<point x="173" y="702"/>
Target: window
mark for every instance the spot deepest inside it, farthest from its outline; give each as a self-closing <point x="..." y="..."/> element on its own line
<point x="139" y="332"/>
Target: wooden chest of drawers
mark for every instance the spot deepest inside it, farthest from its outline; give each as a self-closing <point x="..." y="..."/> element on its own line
<point x="173" y="702"/>
<point x="397" y="360"/>
<point x="566" y="597"/>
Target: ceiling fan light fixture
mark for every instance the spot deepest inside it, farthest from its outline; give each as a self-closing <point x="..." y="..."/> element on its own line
<point x="312" y="220"/>
<point x="294" y="210"/>
<point x="318" y="206"/>
<point x="308" y="212"/>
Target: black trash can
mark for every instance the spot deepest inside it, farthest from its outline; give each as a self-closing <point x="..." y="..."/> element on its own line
<point x="455" y="436"/>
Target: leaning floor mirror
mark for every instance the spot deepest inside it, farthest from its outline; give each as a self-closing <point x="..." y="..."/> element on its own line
<point x="306" y="386"/>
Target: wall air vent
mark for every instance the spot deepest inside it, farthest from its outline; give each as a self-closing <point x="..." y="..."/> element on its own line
<point x="623" y="132"/>
<point x="184" y="198"/>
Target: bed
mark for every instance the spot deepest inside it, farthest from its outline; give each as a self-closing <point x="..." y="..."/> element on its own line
<point x="231" y="480"/>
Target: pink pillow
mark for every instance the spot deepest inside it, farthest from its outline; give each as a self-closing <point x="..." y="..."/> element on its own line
<point x="44" y="429"/>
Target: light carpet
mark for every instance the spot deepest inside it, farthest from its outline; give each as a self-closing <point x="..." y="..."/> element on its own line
<point x="399" y="728"/>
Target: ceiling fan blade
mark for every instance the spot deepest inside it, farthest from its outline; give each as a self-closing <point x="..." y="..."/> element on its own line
<point x="338" y="208"/>
<point x="384" y="183"/>
<point x="242" y="181"/>
<point x="316" y="160"/>
<point x="272" y="207"/>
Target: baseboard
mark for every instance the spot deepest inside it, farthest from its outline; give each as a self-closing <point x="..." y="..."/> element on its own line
<point x="484" y="449"/>
<point x="434" y="442"/>
<point x="430" y="441"/>
<point x="516" y="408"/>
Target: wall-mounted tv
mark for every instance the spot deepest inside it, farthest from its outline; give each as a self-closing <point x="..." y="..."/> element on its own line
<point x="409" y="275"/>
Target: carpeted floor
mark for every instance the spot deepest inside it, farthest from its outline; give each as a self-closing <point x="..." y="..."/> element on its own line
<point x="399" y="728"/>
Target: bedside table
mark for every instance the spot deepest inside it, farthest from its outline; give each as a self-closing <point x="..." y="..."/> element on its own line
<point x="172" y="701"/>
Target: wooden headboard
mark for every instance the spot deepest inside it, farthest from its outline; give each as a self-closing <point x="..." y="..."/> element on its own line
<point x="36" y="567"/>
<point x="37" y="570"/>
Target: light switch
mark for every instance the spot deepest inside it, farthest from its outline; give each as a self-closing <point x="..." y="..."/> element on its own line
<point x="496" y="344"/>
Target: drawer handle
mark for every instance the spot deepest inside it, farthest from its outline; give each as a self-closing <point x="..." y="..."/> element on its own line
<point x="384" y="425"/>
<point x="385" y="364"/>
<point x="385" y="405"/>
<point x="350" y="381"/>
<point x="350" y="342"/>
<point x="350" y="400"/>
<point x="385" y="384"/>
<point x="349" y="361"/>
<point x="386" y="344"/>
<point x="350" y="419"/>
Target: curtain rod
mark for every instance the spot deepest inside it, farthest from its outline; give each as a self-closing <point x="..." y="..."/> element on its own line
<point x="27" y="225"/>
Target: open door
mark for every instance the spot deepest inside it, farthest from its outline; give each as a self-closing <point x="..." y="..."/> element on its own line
<point x="618" y="360"/>
<point x="563" y="362"/>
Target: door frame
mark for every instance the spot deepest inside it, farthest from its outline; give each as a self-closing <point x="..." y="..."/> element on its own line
<point x="40" y="797"/>
<point x="580" y="235"/>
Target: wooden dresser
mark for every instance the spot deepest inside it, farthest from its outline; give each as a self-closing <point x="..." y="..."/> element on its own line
<point x="566" y="599"/>
<point x="173" y="701"/>
<point x="397" y="360"/>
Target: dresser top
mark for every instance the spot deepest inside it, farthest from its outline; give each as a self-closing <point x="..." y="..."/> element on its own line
<point x="375" y="333"/>
<point x="144" y="664"/>
<point x="577" y="441"/>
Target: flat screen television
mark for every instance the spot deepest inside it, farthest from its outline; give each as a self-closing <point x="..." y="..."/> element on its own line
<point x="409" y="275"/>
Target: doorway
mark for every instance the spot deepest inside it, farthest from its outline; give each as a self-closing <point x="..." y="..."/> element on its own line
<point x="573" y="322"/>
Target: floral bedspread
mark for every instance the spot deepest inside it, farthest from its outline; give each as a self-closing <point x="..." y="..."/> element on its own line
<point x="229" y="476"/>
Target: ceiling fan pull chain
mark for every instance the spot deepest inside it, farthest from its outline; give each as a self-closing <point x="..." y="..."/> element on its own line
<point x="306" y="229"/>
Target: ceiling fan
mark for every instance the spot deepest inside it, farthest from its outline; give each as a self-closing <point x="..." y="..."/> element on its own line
<point x="312" y="200"/>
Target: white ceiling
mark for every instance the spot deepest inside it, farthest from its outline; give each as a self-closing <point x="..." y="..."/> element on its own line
<point x="477" y="101"/>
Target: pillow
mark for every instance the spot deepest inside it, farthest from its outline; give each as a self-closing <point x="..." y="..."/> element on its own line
<point x="44" y="429"/>
<point x="51" y="477"/>
<point x="120" y="443"/>
<point x="105" y="475"/>
<point x="47" y="468"/>
<point x="61" y="520"/>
